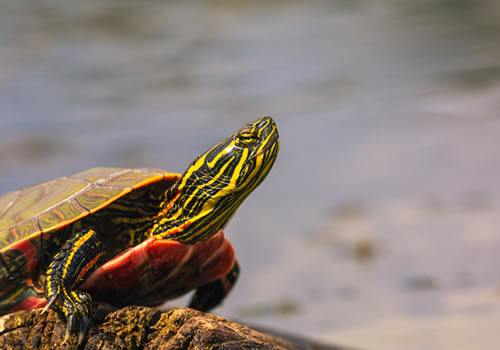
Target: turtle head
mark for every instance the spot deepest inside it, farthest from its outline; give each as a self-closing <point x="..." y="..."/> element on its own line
<point x="239" y="163"/>
<point x="218" y="181"/>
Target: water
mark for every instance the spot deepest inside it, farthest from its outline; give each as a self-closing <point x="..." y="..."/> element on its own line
<point x="377" y="227"/>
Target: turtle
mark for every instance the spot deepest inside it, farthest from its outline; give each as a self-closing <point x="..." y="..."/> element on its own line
<point x="130" y="236"/>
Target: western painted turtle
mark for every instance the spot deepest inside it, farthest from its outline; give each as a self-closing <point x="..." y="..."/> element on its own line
<point x="130" y="236"/>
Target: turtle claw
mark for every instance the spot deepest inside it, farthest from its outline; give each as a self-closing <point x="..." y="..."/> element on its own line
<point x="69" y="326"/>
<point x="75" y="307"/>
<point x="71" y="319"/>
<point x="84" y="323"/>
<point x="52" y="299"/>
<point x="74" y="317"/>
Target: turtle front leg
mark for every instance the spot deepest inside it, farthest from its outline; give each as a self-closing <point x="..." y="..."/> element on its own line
<point x="211" y="294"/>
<point x="71" y="265"/>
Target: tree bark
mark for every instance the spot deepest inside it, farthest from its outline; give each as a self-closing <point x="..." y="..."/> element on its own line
<point x="136" y="327"/>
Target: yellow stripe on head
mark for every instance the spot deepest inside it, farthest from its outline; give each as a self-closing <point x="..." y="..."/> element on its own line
<point x="218" y="181"/>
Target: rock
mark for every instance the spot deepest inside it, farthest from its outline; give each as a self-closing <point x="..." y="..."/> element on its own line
<point x="135" y="327"/>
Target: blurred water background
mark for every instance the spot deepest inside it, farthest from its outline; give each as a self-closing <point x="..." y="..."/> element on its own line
<point x="378" y="226"/>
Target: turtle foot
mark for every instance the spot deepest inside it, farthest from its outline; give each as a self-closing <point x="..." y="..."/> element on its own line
<point x="83" y="320"/>
<point x="75" y="307"/>
<point x="70" y="265"/>
<point x="211" y="294"/>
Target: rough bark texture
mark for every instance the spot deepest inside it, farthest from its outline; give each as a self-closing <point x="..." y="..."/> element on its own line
<point x="134" y="328"/>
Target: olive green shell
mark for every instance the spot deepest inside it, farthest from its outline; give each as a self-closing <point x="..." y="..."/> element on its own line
<point x="54" y="204"/>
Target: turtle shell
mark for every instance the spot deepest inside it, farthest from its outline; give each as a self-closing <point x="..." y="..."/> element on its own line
<point x="44" y="209"/>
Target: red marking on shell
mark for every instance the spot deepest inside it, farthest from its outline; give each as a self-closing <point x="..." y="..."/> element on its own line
<point x="29" y="303"/>
<point x="13" y="231"/>
<point x="30" y="253"/>
<point x="58" y="214"/>
<point x="160" y="269"/>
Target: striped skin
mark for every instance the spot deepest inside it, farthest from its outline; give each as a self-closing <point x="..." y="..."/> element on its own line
<point x="70" y="266"/>
<point x="217" y="182"/>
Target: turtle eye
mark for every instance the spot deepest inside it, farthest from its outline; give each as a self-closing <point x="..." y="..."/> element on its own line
<point x="246" y="138"/>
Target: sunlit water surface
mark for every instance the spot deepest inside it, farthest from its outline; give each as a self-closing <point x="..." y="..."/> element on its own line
<point x="378" y="226"/>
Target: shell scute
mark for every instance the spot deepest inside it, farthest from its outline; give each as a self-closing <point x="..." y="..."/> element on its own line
<point x="60" y="215"/>
<point x="97" y="197"/>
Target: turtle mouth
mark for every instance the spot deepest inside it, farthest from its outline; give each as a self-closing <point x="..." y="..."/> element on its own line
<point x="273" y="140"/>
